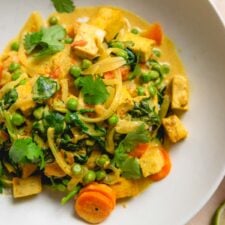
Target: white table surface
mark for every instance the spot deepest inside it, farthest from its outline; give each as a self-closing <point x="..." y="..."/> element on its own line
<point x="205" y="214"/>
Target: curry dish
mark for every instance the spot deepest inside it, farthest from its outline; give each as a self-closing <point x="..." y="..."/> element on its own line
<point x="88" y="101"/>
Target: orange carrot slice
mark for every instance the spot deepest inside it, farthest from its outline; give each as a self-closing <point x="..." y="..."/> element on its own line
<point x="79" y="43"/>
<point x="93" y="207"/>
<point x="139" y="150"/>
<point x="101" y="188"/>
<point x="109" y="75"/>
<point x="166" y="168"/>
<point x="155" y="33"/>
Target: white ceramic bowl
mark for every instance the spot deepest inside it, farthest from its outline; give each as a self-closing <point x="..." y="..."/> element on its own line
<point x="198" y="162"/>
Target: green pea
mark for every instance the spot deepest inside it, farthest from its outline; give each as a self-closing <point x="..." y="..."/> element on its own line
<point x="152" y="90"/>
<point x="38" y="113"/>
<point x="165" y="68"/>
<point x="155" y="66"/>
<point x="145" y="77"/>
<point x="68" y="40"/>
<point x="103" y="161"/>
<point x="53" y="20"/>
<point x="72" y="104"/>
<point x="153" y="74"/>
<point x="89" y="177"/>
<point x="75" y="71"/>
<point x="135" y="31"/>
<point x="100" y="175"/>
<point x="156" y="52"/>
<point x="85" y="64"/>
<point x="16" y="74"/>
<point x="117" y="44"/>
<point x="13" y="67"/>
<point x="15" y="46"/>
<point x="140" y="91"/>
<point x="17" y="119"/>
<point x="113" y="120"/>
<point x="77" y="169"/>
<point x="122" y="53"/>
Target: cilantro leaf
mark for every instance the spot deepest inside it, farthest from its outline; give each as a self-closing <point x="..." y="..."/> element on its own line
<point x="140" y="135"/>
<point x="63" y="5"/>
<point x="93" y="90"/>
<point x="129" y="165"/>
<point x="24" y="151"/>
<point x="44" y="88"/>
<point x="131" y="168"/>
<point x="45" y="42"/>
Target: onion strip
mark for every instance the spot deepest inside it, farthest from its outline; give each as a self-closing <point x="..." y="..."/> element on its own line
<point x="105" y="65"/>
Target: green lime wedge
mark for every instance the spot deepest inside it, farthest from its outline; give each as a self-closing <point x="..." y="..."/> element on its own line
<point x="219" y="216"/>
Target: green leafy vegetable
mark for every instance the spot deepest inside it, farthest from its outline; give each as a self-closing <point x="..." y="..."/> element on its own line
<point x="61" y="6"/>
<point x="131" y="168"/>
<point x="56" y="121"/>
<point x="94" y="90"/>
<point x="129" y="165"/>
<point x="45" y="42"/>
<point x="144" y="111"/>
<point x="25" y="150"/>
<point x="70" y="195"/>
<point x="9" y="98"/>
<point x="44" y="88"/>
<point x="140" y="135"/>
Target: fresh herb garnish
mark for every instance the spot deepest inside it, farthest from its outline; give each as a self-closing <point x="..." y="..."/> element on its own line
<point x="25" y="151"/>
<point x="9" y="98"/>
<point x="44" y="88"/>
<point x="45" y="42"/>
<point x="93" y="90"/>
<point x="63" y="5"/>
<point x="129" y="165"/>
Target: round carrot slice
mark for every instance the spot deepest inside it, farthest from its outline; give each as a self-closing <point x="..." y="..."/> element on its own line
<point x="93" y="207"/>
<point x="101" y="188"/>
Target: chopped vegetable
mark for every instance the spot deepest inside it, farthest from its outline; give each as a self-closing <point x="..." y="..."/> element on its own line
<point x="95" y="203"/>
<point x="94" y="90"/>
<point x="155" y="33"/>
<point x="44" y="88"/>
<point x="62" y="6"/>
<point x="25" y="150"/>
<point x="46" y="42"/>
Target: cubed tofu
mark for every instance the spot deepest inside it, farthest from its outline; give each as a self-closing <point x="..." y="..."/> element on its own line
<point x="25" y="98"/>
<point x="180" y="93"/>
<point x="152" y="161"/>
<point x="174" y="128"/>
<point x="125" y="188"/>
<point x="109" y="19"/>
<point x="28" y="169"/>
<point x="141" y="45"/>
<point x="23" y="187"/>
<point x="91" y="35"/>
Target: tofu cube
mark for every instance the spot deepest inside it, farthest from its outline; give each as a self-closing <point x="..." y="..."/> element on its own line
<point x="151" y="162"/>
<point x="174" y="128"/>
<point x="180" y="93"/>
<point x="141" y="45"/>
<point x="23" y="187"/>
<point x="92" y="35"/>
<point x="109" y="19"/>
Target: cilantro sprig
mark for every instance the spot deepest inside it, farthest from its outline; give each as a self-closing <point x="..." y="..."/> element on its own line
<point x="93" y="90"/>
<point x="26" y="151"/>
<point x="45" y="42"/>
<point x="61" y="6"/>
<point x="129" y="165"/>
